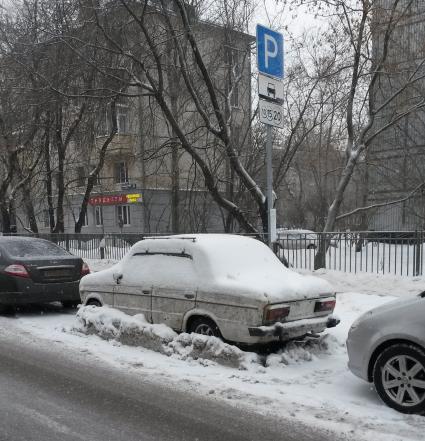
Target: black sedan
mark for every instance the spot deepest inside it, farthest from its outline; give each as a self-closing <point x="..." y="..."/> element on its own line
<point x="35" y="270"/>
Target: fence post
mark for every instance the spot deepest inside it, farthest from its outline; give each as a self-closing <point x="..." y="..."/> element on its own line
<point x="67" y="242"/>
<point x="418" y="254"/>
<point x="102" y="245"/>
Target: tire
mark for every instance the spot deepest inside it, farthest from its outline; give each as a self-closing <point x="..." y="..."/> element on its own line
<point x="399" y="377"/>
<point x="205" y="326"/>
<point x="93" y="302"/>
<point x="311" y="246"/>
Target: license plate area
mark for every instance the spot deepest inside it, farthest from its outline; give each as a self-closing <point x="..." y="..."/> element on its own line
<point x="58" y="274"/>
<point x="301" y="309"/>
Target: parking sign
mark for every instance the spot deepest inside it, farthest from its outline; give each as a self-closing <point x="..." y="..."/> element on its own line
<point x="269" y="52"/>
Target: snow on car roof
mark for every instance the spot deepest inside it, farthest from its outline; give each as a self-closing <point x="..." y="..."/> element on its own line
<point x="234" y="261"/>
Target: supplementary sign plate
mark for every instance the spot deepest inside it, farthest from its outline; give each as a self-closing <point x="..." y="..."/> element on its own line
<point x="271" y="113"/>
<point x="270" y="88"/>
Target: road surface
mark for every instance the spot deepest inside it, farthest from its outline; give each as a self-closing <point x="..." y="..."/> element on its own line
<point x="48" y="394"/>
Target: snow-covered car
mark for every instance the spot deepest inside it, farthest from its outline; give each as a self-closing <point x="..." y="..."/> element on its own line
<point x="386" y="346"/>
<point x="223" y="285"/>
<point x="301" y="239"/>
<point x="297" y="239"/>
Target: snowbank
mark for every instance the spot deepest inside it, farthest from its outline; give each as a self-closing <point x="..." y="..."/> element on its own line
<point x="111" y="324"/>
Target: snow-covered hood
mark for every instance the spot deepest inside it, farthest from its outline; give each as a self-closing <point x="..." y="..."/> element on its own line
<point x="393" y="308"/>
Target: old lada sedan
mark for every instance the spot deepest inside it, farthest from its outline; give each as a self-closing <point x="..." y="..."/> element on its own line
<point x="223" y="285"/>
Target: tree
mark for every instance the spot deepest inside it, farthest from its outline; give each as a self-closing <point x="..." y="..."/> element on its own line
<point x="367" y="114"/>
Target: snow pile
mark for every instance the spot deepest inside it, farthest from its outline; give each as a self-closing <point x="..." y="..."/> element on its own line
<point x="305" y="350"/>
<point x="112" y="324"/>
<point x="203" y="347"/>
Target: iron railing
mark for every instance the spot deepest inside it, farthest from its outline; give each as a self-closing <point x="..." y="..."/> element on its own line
<point x="395" y="252"/>
<point x="386" y="252"/>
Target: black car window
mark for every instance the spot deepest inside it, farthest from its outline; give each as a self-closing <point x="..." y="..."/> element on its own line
<point x="32" y="248"/>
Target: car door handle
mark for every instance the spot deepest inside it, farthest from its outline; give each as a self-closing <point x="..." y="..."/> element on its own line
<point x="146" y="291"/>
<point x="189" y="296"/>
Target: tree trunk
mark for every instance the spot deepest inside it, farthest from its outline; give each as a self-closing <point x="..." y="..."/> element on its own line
<point x="29" y="208"/>
<point x="95" y="173"/>
<point x="320" y="257"/>
<point x="6" y="221"/>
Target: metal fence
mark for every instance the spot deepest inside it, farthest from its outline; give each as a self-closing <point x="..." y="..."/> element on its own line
<point x="394" y="252"/>
<point x="384" y="252"/>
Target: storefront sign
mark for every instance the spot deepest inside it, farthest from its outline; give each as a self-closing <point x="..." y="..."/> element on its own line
<point x="116" y="199"/>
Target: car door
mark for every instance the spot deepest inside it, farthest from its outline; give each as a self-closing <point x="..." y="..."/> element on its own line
<point x="174" y="288"/>
<point x="133" y="290"/>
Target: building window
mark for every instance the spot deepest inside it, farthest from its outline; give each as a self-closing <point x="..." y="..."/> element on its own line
<point x="123" y="215"/>
<point x="121" y="172"/>
<point x="81" y="176"/>
<point x="46" y="218"/>
<point x="85" y="220"/>
<point x="234" y="99"/>
<point x="234" y="61"/>
<point x="98" y="215"/>
<point x="97" y="180"/>
<point x="122" y="119"/>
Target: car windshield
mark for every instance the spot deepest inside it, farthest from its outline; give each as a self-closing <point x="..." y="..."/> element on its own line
<point x="32" y="248"/>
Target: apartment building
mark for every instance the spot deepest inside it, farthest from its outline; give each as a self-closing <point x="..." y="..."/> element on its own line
<point x="148" y="180"/>
<point x="396" y="159"/>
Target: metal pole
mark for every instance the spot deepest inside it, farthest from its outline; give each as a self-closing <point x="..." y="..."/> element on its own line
<point x="269" y="171"/>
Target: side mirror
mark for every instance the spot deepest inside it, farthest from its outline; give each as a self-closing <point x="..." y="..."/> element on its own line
<point x="117" y="277"/>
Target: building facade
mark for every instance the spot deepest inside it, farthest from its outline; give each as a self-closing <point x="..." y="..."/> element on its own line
<point x="396" y="159"/>
<point x="149" y="183"/>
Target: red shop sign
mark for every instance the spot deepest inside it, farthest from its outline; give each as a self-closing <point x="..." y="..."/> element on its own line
<point x="108" y="200"/>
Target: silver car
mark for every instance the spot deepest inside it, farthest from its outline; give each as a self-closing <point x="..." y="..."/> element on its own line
<point x="386" y="346"/>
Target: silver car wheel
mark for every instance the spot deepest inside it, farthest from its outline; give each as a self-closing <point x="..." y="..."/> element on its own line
<point x="204" y="329"/>
<point x="400" y="382"/>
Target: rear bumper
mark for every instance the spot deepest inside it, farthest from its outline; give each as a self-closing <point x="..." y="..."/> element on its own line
<point x="297" y="328"/>
<point x="42" y="293"/>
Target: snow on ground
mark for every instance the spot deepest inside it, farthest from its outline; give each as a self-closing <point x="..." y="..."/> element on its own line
<point x="369" y="283"/>
<point x="309" y="382"/>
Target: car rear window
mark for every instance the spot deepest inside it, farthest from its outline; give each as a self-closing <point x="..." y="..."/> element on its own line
<point x="32" y="248"/>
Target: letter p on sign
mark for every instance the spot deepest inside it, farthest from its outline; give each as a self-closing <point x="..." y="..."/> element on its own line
<point x="269" y="52"/>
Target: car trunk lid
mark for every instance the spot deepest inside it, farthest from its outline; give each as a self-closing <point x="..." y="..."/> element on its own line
<point x="53" y="271"/>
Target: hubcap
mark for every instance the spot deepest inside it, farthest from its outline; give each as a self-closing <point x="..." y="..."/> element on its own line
<point x="403" y="378"/>
<point x="204" y="329"/>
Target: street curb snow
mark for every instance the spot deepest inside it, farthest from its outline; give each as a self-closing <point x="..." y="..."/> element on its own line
<point x="112" y="324"/>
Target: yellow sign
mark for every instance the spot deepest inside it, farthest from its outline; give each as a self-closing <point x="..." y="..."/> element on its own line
<point x="133" y="198"/>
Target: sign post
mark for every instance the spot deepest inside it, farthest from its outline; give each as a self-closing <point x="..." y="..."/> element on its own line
<point x="270" y="91"/>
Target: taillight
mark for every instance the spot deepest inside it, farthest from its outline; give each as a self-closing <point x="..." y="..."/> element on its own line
<point x="325" y="305"/>
<point x="276" y="313"/>
<point x="17" y="270"/>
<point x="85" y="269"/>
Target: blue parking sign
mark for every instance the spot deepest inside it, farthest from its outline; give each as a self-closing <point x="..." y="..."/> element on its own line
<point x="269" y="52"/>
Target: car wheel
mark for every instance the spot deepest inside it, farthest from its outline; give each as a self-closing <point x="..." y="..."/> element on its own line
<point x="311" y="246"/>
<point x="93" y="302"/>
<point x="399" y="377"/>
<point x="205" y="326"/>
